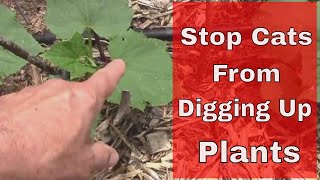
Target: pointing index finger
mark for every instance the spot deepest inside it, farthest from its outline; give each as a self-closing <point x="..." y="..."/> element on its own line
<point x="105" y="80"/>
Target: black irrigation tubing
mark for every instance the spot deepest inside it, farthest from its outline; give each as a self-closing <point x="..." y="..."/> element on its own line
<point x="165" y="34"/>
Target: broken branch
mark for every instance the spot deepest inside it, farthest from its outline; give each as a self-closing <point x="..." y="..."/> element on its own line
<point x="35" y="60"/>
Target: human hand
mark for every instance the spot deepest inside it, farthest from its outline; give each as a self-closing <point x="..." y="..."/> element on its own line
<point x="45" y="130"/>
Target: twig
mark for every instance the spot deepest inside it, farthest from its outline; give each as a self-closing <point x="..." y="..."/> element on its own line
<point x="163" y="14"/>
<point x="125" y="101"/>
<point x="128" y="175"/>
<point x="103" y="57"/>
<point x="35" y="3"/>
<point x="123" y="138"/>
<point x="35" y="75"/>
<point x="20" y="10"/>
<point x="118" y="141"/>
<point x="147" y="170"/>
<point x="124" y="107"/>
<point x="35" y="60"/>
<point x="152" y="128"/>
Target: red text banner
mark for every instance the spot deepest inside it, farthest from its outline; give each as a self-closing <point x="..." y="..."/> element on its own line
<point x="245" y="90"/>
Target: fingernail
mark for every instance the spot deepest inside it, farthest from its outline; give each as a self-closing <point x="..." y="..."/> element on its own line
<point x="114" y="159"/>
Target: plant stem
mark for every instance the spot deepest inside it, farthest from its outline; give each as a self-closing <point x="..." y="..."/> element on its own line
<point x="90" y="35"/>
<point x="92" y="63"/>
<point x="103" y="57"/>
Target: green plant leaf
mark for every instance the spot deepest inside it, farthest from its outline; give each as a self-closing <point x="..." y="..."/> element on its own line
<point x="15" y="32"/>
<point x="149" y="69"/>
<point x="106" y="17"/>
<point x="73" y="56"/>
<point x="9" y="63"/>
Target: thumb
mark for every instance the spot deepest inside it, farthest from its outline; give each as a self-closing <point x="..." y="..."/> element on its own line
<point x="104" y="156"/>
